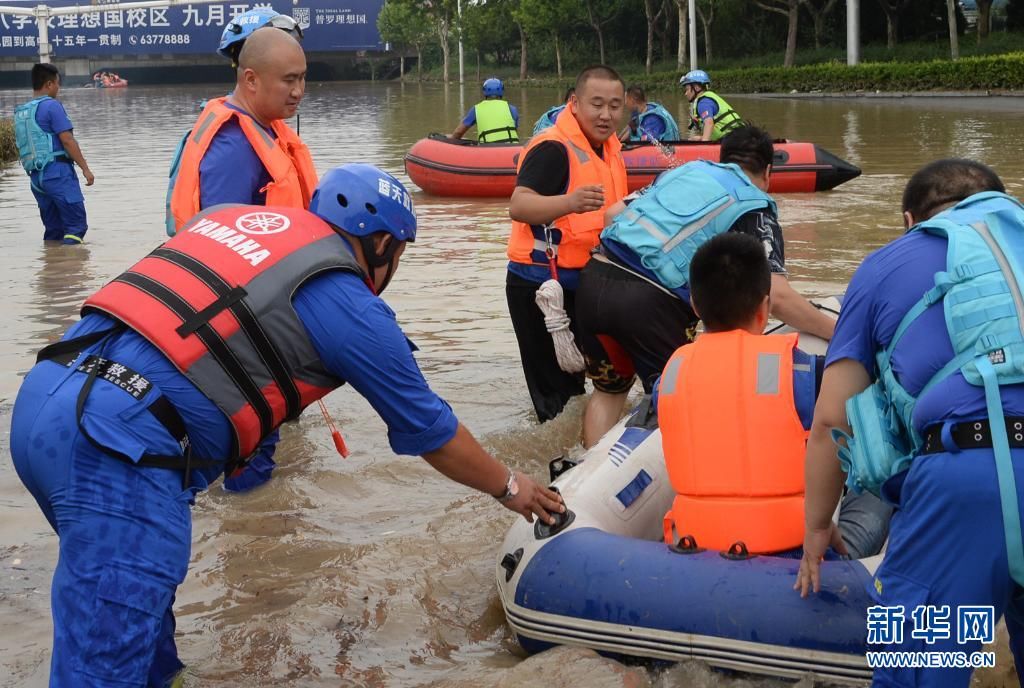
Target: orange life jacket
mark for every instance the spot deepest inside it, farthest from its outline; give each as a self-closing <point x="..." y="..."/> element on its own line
<point x="286" y="159"/>
<point x="575" y="235"/>
<point x="733" y="441"/>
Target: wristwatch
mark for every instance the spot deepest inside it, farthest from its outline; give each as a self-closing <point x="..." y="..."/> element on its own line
<point x="511" y="488"/>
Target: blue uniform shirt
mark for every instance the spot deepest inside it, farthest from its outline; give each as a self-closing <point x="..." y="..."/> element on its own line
<point x="470" y="118"/>
<point x="706" y="107"/>
<point x="653" y="125"/>
<point x="231" y="171"/>
<point x="53" y="119"/>
<point x="886" y="285"/>
<point x="358" y="339"/>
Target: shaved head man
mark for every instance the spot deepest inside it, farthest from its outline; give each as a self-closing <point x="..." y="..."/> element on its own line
<point x="271" y="76"/>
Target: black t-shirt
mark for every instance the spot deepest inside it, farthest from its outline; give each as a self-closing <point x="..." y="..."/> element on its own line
<point x="546" y="168"/>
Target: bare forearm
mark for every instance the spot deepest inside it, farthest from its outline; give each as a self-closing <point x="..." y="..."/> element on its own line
<point x="709" y="129"/>
<point x="824" y="478"/>
<point x="463" y="460"/>
<point x="460" y="131"/>
<point x="797" y="312"/>
<point x="74" y="151"/>
<point x="530" y="207"/>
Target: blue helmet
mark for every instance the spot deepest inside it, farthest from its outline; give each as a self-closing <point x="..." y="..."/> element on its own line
<point x="695" y="76"/>
<point x="241" y="27"/>
<point x="363" y="200"/>
<point x="494" y="87"/>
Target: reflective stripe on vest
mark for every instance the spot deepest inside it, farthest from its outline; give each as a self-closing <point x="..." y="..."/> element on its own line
<point x="216" y="300"/>
<point x="576" y="234"/>
<point x="686" y="207"/>
<point x="494" y="122"/>
<point x="733" y="442"/>
<point x="35" y="146"/>
<point x="286" y="159"/>
<point x="655" y="110"/>
<point x="726" y="120"/>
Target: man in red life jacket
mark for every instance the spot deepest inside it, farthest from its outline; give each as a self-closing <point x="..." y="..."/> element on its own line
<point x="181" y="366"/>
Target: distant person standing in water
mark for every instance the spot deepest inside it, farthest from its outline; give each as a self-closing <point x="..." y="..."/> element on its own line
<point x="49" y="151"/>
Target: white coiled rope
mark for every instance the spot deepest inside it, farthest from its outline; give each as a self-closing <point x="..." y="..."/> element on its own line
<point x="551" y="302"/>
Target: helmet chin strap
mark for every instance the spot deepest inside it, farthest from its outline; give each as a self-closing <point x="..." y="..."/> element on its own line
<point x="375" y="261"/>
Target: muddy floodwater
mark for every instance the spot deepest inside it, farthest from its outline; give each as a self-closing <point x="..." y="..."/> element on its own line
<point x="374" y="570"/>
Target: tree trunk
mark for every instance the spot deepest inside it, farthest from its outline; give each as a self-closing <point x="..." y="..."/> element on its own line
<point x="401" y="67"/>
<point x="478" y="64"/>
<point x="706" y="20"/>
<point x="558" y="56"/>
<point x="891" y="31"/>
<point x="597" y="29"/>
<point x="791" y="35"/>
<point x="819" y="29"/>
<point x="649" y="11"/>
<point x="954" y="40"/>
<point x="419" y="63"/>
<point x="445" y="50"/>
<point x="984" y="18"/>
<point x="684" y="31"/>
<point x="522" y="52"/>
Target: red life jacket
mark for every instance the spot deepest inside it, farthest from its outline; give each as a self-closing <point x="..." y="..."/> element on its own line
<point x="216" y="300"/>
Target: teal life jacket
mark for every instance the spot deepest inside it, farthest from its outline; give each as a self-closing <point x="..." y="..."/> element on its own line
<point x="656" y="110"/>
<point x="172" y="177"/>
<point x="547" y="119"/>
<point x="684" y="208"/>
<point x="35" y="146"/>
<point x="982" y="294"/>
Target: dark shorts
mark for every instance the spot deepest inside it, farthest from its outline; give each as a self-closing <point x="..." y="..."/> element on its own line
<point x="628" y="327"/>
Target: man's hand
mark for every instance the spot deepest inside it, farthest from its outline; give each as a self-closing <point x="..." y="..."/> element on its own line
<point x="816" y="541"/>
<point x="89" y="178"/>
<point x="534" y="499"/>
<point x="586" y="199"/>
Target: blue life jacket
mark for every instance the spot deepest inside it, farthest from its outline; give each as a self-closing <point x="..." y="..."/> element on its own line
<point x="982" y="294"/>
<point x="684" y="208"/>
<point x="547" y="119"/>
<point x="35" y="146"/>
<point x="656" y="110"/>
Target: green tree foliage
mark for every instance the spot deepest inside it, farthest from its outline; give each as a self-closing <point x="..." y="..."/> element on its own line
<point x="404" y="24"/>
<point x="550" y="20"/>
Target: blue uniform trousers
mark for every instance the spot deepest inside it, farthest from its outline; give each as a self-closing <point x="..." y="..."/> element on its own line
<point x="61" y="205"/>
<point x="124" y="531"/>
<point x="947" y="547"/>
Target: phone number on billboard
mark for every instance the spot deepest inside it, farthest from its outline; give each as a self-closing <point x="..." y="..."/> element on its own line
<point x="161" y="39"/>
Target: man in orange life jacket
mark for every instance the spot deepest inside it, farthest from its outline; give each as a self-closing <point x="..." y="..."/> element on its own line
<point x="241" y="151"/>
<point x="181" y="366"/>
<point x="567" y="176"/>
<point x="734" y="409"/>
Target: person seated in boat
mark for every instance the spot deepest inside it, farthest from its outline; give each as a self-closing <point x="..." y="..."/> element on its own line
<point x="711" y="117"/>
<point x="548" y="118"/>
<point x="647" y="121"/>
<point x="929" y="338"/>
<point x="633" y="304"/>
<point x="734" y="408"/>
<point x="495" y="119"/>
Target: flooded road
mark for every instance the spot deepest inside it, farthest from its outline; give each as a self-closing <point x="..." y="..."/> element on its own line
<point x="375" y="570"/>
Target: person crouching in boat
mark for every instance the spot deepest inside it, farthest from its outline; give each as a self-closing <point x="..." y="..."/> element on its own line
<point x="734" y="408"/>
<point x="647" y="121"/>
<point x="495" y="119"/>
<point x="711" y="117"/>
<point x="567" y="177"/>
<point x="632" y="306"/>
<point x="923" y="386"/>
<point x="548" y="118"/>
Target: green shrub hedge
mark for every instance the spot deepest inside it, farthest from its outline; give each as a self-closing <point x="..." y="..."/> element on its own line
<point x="8" y="151"/>
<point x="996" y="72"/>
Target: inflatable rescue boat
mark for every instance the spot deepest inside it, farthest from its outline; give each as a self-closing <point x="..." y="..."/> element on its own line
<point x="442" y="166"/>
<point x="603" y="578"/>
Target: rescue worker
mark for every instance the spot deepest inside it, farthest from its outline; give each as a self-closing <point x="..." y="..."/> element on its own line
<point x="711" y="117"/>
<point x="241" y="150"/>
<point x="495" y="119"/>
<point x="567" y="177"/>
<point x="633" y="303"/>
<point x="924" y="371"/>
<point x="181" y="366"/>
<point x="246" y="153"/>
<point x="48" y="151"/>
<point x="734" y="408"/>
<point x="647" y="121"/>
<point x="551" y="114"/>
